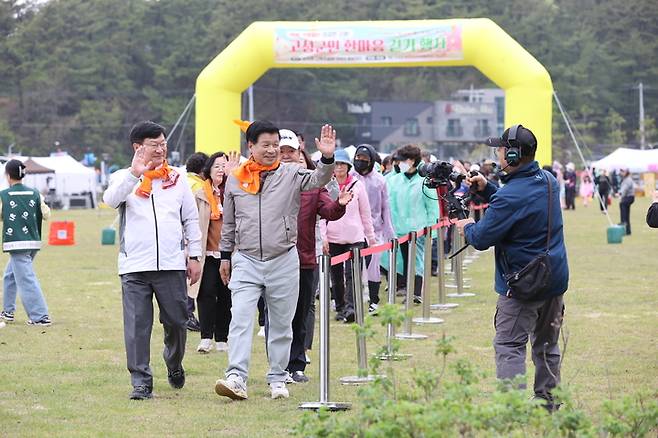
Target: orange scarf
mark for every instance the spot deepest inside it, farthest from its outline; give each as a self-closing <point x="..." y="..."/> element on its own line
<point x="144" y="189"/>
<point x="215" y="212"/>
<point x="249" y="174"/>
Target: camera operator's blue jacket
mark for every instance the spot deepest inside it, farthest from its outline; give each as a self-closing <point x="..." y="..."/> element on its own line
<point x="516" y="223"/>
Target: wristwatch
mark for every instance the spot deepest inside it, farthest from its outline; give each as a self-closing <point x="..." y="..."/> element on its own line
<point x="195" y="258"/>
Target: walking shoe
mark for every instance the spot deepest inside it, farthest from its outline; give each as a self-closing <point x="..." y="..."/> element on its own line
<point x="418" y="299"/>
<point x="261" y="332"/>
<point x="349" y="318"/>
<point x="176" y="378"/>
<point x="340" y="316"/>
<point x="221" y="346"/>
<point x="299" y="377"/>
<point x="193" y="324"/>
<point x="7" y="316"/>
<point x="289" y="378"/>
<point x="279" y="390"/>
<point x="205" y="346"/>
<point x="232" y="387"/>
<point x="372" y="308"/>
<point x="45" y="321"/>
<point x="142" y="392"/>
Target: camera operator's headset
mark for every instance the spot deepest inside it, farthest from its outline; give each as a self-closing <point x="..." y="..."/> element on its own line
<point x="513" y="150"/>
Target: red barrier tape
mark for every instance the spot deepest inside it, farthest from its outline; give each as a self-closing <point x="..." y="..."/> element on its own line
<point x="341" y="258"/>
<point x="404" y="239"/>
<point x="378" y="248"/>
<point x="388" y="246"/>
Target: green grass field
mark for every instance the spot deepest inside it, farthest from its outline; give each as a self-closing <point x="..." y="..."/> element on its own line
<point x="70" y="379"/>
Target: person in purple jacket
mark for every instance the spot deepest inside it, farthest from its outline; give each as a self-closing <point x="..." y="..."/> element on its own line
<point x="364" y="164"/>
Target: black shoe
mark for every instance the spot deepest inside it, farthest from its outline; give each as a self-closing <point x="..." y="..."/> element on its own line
<point x="141" y="393"/>
<point x="349" y="318"/>
<point x="45" y="321"/>
<point x="7" y="316"/>
<point x="299" y="377"/>
<point x="176" y="378"/>
<point x="340" y="316"/>
<point x="548" y="403"/>
<point x="193" y="324"/>
<point x="418" y="299"/>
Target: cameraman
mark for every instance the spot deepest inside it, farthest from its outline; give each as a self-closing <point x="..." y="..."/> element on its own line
<point x="516" y="224"/>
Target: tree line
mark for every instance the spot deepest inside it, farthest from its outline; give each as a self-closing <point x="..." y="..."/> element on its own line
<point x="81" y="72"/>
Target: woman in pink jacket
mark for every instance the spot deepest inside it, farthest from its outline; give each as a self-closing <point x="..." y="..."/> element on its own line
<point x="354" y="229"/>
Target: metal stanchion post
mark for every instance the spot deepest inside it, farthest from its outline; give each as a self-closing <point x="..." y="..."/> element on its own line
<point x="411" y="277"/>
<point x="325" y="303"/>
<point x="357" y="293"/>
<point x="442" y="276"/>
<point x="459" y="274"/>
<point x="392" y="282"/>
<point x="427" y="276"/>
<point x="457" y="242"/>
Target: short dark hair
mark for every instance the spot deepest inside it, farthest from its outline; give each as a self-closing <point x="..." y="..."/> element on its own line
<point x="259" y="127"/>
<point x="410" y="152"/>
<point x="146" y="129"/>
<point x="299" y="134"/>
<point x="387" y="160"/>
<point x="196" y="162"/>
<point x="309" y="162"/>
<point x="15" y="169"/>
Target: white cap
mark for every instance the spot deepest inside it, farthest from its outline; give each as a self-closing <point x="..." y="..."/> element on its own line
<point x="288" y="138"/>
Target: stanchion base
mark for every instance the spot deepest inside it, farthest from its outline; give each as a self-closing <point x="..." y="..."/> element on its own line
<point x="461" y="295"/>
<point x="444" y="306"/>
<point x="358" y="380"/>
<point x="410" y="336"/>
<point x="331" y="406"/>
<point x="430" y="320"/>
<point x="396" y="356"/>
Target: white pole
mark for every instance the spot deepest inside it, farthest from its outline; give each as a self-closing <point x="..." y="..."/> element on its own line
<point x="642" y="138"/>
<point x="250" y="95"/>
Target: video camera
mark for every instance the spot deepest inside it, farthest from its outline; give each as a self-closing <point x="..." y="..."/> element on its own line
<point x="439" y="175"/>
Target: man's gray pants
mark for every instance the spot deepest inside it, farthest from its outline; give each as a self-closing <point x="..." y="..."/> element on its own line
<point x="170" y="291"/>
<point x="278" y="281"/>
<point x="515" y="321"/>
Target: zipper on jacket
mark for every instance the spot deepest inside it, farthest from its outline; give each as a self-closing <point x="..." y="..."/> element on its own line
<point x="260" y="225"/>
<point x="157" y="241"/>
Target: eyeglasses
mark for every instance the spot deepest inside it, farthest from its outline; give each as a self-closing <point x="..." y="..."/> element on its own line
<point x="162" y="145"/>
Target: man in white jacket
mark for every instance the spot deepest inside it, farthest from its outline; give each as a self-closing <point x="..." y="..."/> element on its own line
<point x="157" y="216"/>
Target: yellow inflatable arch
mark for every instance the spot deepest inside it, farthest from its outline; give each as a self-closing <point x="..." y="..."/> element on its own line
<point x="477" y="42"/>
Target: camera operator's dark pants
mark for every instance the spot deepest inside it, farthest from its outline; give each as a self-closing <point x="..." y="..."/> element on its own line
<point x="170" y="290"/>
<point x="515" y="321"/>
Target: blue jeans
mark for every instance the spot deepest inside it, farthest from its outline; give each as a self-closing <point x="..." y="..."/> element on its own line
<point x="20" y="278"/>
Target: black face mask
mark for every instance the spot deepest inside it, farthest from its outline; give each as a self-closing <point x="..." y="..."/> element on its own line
<point x="361" y="166"/>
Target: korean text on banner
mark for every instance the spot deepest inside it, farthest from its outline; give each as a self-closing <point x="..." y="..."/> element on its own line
<point x="368" y="44"/>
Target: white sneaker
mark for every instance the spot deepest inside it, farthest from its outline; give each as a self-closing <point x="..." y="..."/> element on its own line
<point x="279" y="390"/>
<point x="232" y="387"/>
<point x="205" y="346"/>
<point x="261" y="332"/>
<point x="221" y="346"/>
<point x="372" y="308"/>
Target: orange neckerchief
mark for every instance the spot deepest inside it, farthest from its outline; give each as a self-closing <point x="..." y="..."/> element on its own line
<point x="144" y="189"/>
<point x="249" y="174"/>
<point x="215" y="212"/>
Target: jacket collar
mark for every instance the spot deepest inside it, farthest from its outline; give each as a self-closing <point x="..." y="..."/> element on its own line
<point x="525" y="171"/>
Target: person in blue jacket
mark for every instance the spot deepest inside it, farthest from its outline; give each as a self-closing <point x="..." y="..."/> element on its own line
<point x="516" y="224"/>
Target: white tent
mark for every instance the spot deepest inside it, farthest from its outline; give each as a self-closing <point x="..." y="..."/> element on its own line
<point x="636" y="160"/>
